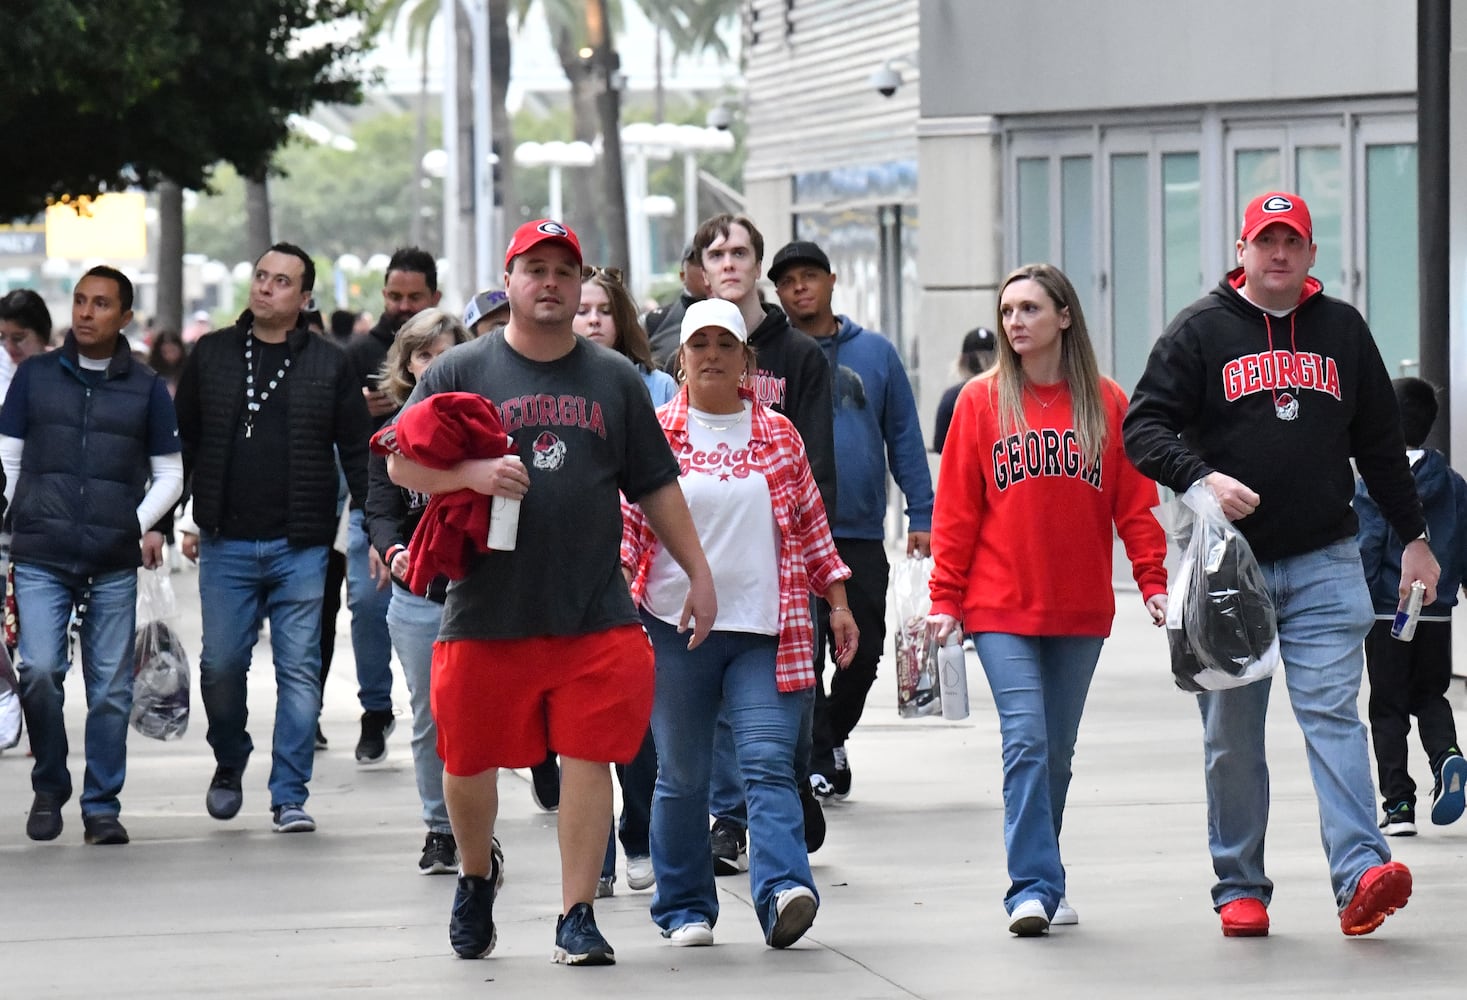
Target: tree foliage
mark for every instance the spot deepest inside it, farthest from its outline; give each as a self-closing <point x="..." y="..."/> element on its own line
<point x="201" y="81"/>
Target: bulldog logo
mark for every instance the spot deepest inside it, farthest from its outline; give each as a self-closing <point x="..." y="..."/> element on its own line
<point x="549" y="452"/>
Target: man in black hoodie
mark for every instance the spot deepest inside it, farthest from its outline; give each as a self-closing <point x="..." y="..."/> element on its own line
<point x="1264" y="390"/>
<point x="794" y="379"/>
<point x="409" y="286"/>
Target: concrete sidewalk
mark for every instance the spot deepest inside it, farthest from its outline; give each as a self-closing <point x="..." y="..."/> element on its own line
<point x="911" y="877"/>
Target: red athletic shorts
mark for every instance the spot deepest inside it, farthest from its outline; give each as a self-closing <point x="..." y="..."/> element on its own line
<point x="506" y="702"/>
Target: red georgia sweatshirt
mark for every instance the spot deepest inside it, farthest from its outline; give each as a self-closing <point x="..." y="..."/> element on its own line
<point x="1021" y="530"/>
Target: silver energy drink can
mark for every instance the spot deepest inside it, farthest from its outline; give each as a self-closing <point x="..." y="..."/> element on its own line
<point x="1404" y="627"/>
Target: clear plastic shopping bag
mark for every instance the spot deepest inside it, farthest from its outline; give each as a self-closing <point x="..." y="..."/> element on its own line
<point x="160" y="689"/>
<point x="11" y="715"/>
<point x="1221" y="626"/>
<point x="916" y="653"/>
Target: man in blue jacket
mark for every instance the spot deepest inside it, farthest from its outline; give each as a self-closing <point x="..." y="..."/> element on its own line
<point x="90" y="449"/>
<point x="875" y="423"/>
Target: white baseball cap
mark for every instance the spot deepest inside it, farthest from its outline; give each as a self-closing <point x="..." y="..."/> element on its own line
<point x="719" y="313"/>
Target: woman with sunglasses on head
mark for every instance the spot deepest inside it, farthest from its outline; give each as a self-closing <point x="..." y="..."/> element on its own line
<point x="763" y="527"/>
<point x="1033" y="486"/>
<point x="392" y="515"/>
<point x="608" y="316"/>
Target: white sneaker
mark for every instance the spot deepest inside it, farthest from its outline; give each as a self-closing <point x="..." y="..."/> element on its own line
<point x="1064" y="914"/>
<point x="639" y="873"/>
<point x="1029" y="919"/>
<point x="794" y="912"/>
<point x="695" y="935"/>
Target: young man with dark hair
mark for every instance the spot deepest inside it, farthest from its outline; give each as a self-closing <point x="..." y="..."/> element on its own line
<point x="90" y="450"/>
<point x="664" y="324"/>
<point x="409" y="286"/>
<point x="875" y="421"/>
<point x="544" y="637"/>
<point x="264" y="409"/>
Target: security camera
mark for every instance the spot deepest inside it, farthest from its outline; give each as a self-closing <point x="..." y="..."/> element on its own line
<point x="886" y="81"/>
<point x="720" y="117"/>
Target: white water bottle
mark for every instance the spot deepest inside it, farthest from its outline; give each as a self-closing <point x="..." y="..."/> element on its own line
<point x="952" y="676"/>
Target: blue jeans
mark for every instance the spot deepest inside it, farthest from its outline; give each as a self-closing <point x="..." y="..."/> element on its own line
<point x="726" y="799"/>
<point x="1039" y="686"/>
<point x="638" y="784"/>
<point x="1324" y="613"/>
<point x="240" y="582"/>
<point x="44" y="600"/>
<point x="371" y="643"/>
<point x="413" y="622"/>
<point x="732" y="671"/>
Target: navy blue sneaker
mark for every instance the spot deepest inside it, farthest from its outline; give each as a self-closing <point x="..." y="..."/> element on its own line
<point x="578" y="942"/>
<point x="471" y="924"/>
<point x="1449" y="798"/>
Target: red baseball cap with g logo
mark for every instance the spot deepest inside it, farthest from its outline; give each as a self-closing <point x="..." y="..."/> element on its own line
<point x="533" y="233"/>
<point x="1277" y="206"/>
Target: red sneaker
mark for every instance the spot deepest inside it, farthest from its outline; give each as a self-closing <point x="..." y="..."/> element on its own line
<point x="1246" y="917"/>
<point x="1382" y="891"/>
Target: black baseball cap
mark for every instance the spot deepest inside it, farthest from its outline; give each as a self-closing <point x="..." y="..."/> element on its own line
<point x="979" y="339"/>
<point x="798" y="252"/>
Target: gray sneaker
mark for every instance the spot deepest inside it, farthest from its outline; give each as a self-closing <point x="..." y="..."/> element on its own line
<point x="291" y="818"/>
<point x="225" y="795"/>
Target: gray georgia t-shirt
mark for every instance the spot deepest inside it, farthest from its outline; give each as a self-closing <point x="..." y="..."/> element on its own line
<point x="585" y="428"/>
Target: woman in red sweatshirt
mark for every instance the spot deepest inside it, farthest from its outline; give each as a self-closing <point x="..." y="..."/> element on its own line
<point x="1033" y="477"/>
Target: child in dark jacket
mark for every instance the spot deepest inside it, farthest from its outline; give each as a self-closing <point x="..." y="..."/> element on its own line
<point x="1411" y="678"/>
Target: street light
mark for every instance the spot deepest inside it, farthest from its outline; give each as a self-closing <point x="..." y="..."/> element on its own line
<point x="645" y="141"/>
<point x="555" y="155"/>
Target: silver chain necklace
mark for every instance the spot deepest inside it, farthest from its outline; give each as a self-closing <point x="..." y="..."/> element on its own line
<point x="252" y="405"/>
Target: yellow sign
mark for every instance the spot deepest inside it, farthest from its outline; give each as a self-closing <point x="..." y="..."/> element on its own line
<point x="112" y="227"/>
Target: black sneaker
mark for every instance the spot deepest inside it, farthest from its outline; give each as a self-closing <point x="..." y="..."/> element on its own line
<point x="1400" y="819"/>
<point x="471" y="923"/>
<point x="225" y="794"/>
<point x="320" y="738"/>
<point x="578" y="942"/>
<point x="1449" y="796"/>
<point x="376" y="727"/>
<point x="104" y="830"/>
<point x="729" y="843"/>
<point x="545" y="783"/>
<point x="814" y="819"/>
<point x="440" y="855"/>
<point x="44" y="822"/>
<point x="840" y="781"/>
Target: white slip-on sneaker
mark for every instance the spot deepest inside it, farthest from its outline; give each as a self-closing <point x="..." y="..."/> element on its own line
<point x="1064" y="914"/>
<point x="695" y="935"/>
<point x="1029" y="919"/>
<point x="639" y="873"/>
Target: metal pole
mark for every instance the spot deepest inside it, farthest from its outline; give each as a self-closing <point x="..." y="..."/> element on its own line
<point x="555" y="192"/>
<point x="1433" y="124"/>
<point x="690" y="194"/>
<point x="483" y="148"/>
<point x="457" y="279"/>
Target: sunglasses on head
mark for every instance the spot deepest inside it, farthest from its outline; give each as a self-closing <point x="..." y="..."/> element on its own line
<point x="610" y="273"/>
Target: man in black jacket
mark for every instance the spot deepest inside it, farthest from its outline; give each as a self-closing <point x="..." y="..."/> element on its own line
<point x="409" y="286"/>
<point x="264" y="407"/>
<point x="1264" y="390"/>
<point x="90" y="449"/>
<point x="664" y="324"/>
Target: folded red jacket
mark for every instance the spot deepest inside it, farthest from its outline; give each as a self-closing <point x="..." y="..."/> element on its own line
<point x="439" y="432"/>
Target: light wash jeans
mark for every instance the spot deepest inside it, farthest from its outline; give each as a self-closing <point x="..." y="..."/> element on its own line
<point x="1324" y="613"/>
<point x="371" y="643"/>
<point x="44" y="600"/>
<point x="413" y="622"/>
<point x="732" y="671"/>
<point x="240" y="582"/>
<point x="1039" y="686"/>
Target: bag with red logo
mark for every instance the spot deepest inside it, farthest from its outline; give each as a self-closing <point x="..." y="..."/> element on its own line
<point x="916" y="654"/>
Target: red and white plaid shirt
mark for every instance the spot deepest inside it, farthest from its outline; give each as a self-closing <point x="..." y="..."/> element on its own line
<point x="807" y="556"/>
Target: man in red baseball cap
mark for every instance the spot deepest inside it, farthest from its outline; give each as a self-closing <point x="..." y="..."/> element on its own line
<point x="543" y="640"/>
<point x="1264" y="391"/>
